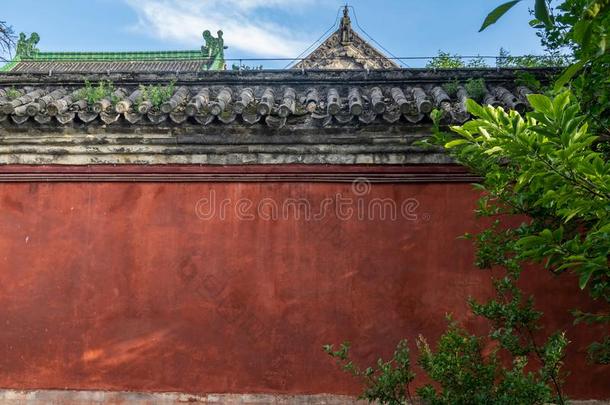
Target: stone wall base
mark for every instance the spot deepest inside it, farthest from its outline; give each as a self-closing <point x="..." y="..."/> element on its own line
<point x="68" y="397"/>
<point x="64" y="397"/>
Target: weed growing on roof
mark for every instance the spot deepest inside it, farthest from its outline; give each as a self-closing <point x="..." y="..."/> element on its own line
<point x="93" y="94"/>
<point x="12" y="93"/>
<point x="476" y="89"/>
<point x="156" y="94"/>
<point x="451" y="88"/>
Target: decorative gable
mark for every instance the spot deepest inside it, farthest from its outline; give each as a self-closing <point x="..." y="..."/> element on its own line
<point x="345" y="49"/>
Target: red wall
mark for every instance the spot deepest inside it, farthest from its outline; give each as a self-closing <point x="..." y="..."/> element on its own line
<point x="122" y="286"/>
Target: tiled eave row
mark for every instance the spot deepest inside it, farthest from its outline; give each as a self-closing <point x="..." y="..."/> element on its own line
<point x="103" y="67"/>
<point x="272" y="99"/>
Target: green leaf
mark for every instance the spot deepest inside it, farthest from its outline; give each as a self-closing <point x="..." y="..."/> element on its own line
<point x="571" y="214"/>
<point x="605" y="228"/>
<point x="569" y="73"/>
<point x="484" y="133"/>
<point x="540" y="102"/>
<point x="474" y="108"/>
<point x="493" y="150"/>
<point x="595" y="8"/>
<point x="541" y="12"/>
<point x="528" y="241"/>
<point x="462" y="131"/>
<point x="601" y="45"/>
<point x="582" y="31"/>
<point x="497" y="13"/>
<point x="454" y="143"/>
<point x="584" y="279"/>
<point x="560" y="102"/>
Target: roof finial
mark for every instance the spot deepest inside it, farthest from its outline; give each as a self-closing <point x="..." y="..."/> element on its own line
<point x="346" y="26"/>
<point x="26" y="47"/>
<point x="213" y="50"/>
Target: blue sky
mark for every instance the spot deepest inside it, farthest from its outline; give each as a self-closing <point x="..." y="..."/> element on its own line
<point x="269" y="28"/>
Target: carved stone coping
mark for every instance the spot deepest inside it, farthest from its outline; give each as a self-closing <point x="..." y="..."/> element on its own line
<point x="255" y="173"/>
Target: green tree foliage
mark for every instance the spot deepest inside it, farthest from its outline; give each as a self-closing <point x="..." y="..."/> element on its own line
<point x="541" y="12"/>
<point x="581" y="27"/>
<point x="547" y="164"/>
<point x="505" y="60"/>
<point x="444" y="60"/>
<point x="478" y="62"/>
<point x="542" y="166"/>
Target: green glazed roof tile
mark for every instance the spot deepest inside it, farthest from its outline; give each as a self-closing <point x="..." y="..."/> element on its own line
<point x="115" y="56"/>
<point x="108" y="61"/>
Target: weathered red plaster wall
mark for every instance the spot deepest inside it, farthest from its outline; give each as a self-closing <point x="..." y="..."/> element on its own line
<point x="121" y="286"/>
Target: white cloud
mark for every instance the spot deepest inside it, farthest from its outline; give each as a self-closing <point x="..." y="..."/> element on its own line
<point x="242" y="21"/>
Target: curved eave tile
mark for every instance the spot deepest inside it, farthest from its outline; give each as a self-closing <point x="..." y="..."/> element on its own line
<point x="274" y="106"/>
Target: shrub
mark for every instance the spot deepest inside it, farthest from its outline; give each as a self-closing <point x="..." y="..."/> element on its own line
<point x="463" y="374"/>
<point x="466" y="377"/>
<point x="388" y="383"/>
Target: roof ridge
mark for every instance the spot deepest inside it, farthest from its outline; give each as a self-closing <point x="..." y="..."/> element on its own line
<point x="114" y="56"/>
